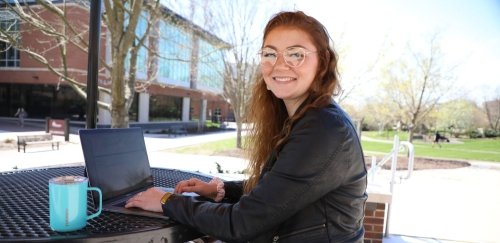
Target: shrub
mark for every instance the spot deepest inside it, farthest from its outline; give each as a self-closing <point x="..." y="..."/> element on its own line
<point x="474" y="134"/>
<point x="491" y="133"/>
<point x="418" y="136"/>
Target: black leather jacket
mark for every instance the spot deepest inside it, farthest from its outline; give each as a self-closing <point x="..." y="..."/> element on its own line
<point x="312" y="190"/>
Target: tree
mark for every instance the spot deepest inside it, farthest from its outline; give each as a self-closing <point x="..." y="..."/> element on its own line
<point x="58" y="35"/>
<point x="457" y="116"/>
<point x="241" y="64"/>
<point x="382" y="117"/>
<point x="237" y="22"/>
<point x="121" y="21"/>
<point x="416" y="82"/>
<point x="492" y="110"/>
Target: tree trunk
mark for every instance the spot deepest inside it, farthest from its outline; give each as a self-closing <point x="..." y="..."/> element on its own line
<point x="238" y="134"/>
<point x="410" y="135"/>
<point x="119" y="113"/>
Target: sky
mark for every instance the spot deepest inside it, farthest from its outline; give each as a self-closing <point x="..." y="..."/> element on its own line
<point x="469" y="31"/>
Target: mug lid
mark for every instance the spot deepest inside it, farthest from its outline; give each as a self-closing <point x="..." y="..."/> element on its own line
<point x="68" y="179"/>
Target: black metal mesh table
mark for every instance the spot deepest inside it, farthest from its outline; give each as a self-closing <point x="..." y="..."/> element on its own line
<point x="24" y="211"/>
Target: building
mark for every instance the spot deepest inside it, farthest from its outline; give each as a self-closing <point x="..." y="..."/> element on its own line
<point x="188" y="85"/>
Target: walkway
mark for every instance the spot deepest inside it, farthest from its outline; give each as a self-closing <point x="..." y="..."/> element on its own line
<point x="454" y="205"/>
<point x="157" y="145"/>
<point x="450" y="205"/>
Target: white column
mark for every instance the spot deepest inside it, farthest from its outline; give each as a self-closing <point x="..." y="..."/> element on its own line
<point x="203" y="111"/>
<point x="143" y="107"/>
<point x="104" y="117"/>
<point x="203" y="115"/>
<point x="186" y="107"/>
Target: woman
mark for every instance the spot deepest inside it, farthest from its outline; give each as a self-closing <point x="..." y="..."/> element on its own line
<point x="308" y="176"/>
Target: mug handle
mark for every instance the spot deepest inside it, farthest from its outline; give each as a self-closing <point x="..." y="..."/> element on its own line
<point x="100" y="202"/>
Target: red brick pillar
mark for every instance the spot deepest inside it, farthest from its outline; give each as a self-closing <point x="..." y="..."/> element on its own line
<point x="374" y="222"/>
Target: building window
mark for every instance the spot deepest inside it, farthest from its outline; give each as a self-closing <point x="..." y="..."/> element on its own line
<point x="9" y="56"/>
<point x="165" y="108"/>
<point x="174" y="46"/>
<point x="211" y="62"/>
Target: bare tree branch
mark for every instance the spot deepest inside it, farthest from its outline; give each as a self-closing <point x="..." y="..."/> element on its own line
<point x="60" y="32"/>
<point x="416" y="87"/>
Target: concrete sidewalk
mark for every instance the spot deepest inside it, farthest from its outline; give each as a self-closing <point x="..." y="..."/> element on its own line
<point x="453" y="205"/>
<point x="157" y="145"/>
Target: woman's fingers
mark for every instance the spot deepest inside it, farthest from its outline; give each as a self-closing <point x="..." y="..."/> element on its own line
<point x="147" y="200"/>
<point x="191" y="185"/>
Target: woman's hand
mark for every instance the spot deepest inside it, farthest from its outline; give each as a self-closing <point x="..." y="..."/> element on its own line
<point x="202" y="188"/>
<point x="148" y="200"/>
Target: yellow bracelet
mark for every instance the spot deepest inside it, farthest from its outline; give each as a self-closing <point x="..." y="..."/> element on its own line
<point x="165" y="198"/>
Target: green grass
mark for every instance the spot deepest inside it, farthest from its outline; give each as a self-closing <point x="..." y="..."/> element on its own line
<point x="467" y="149"/>
<point x="208" y="148"/>
<point x="462" y="149"/>
<point x="387" y="135"/>
<point x="376" y="147"/>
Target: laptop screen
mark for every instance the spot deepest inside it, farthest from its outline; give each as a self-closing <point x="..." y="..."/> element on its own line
<point x="116" y="160"/>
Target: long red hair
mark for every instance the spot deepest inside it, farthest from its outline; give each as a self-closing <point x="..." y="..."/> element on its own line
<point x="267" y="114"/>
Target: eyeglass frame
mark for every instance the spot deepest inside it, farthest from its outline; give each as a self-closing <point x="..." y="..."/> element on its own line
<point x="306" y="52"/>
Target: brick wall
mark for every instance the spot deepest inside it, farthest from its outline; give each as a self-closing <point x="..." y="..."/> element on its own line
<point x="374" y="222"/>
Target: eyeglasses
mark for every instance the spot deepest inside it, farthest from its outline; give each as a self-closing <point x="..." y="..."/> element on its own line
<point x="293" y="56"/>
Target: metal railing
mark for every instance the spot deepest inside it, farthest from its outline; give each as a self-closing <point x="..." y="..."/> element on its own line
<point x="393" y="155"/>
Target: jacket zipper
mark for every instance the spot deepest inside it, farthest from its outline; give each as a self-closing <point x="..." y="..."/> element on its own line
<point x="276" y="238"/>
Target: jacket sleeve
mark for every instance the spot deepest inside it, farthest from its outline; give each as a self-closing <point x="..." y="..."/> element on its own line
<point x="310" y="164"/>
<point x="233" y="191"/>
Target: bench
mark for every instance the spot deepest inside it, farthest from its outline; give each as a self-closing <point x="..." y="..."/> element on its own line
<point x="24" y="140"/>
<point x="177" y="130"/>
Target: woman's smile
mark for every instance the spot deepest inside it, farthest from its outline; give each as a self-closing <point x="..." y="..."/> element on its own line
<point x="283" y="79"/>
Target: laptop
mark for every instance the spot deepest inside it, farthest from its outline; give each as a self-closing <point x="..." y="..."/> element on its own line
<point x="117" y="162"/>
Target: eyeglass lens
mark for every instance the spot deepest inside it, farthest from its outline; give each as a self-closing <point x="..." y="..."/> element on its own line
<point x="293" y="56"/>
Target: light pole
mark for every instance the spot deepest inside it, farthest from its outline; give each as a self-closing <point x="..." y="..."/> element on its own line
<point x="93" y="61"/>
